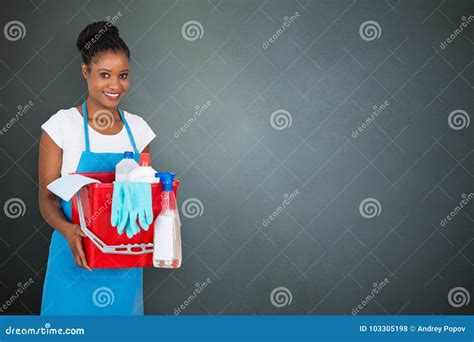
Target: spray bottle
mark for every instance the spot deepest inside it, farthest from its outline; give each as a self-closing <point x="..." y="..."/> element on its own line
<point x="167" y="234"/>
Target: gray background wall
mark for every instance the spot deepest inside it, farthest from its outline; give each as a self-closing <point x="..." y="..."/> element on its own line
<point x="323" y="252"/>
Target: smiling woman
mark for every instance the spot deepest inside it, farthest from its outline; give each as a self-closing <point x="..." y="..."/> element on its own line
<point x="107" y="80"/>
<point x="106" y="67"/>
<point x="89" y="138"/>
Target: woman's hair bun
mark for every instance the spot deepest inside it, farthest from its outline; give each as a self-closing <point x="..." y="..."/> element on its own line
<point x="97" y="37"/>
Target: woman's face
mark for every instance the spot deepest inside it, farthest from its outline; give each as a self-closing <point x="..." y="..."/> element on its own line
<point x="107" y="78"/>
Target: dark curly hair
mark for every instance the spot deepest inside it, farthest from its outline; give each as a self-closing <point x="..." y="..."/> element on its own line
<point x="98" y="37"/>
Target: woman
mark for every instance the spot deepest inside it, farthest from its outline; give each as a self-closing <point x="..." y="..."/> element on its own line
<point x="87" y="138"/>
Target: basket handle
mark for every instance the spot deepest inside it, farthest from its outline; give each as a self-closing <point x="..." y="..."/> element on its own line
<point x="145" y="248"/>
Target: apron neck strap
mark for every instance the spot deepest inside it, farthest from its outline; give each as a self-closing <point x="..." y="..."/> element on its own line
<point x="86" y="126"/>
<point x="86" y="129"/>
<point x="129" y="131"/>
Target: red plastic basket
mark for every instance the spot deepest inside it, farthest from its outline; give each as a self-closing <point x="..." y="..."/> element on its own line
<point x="104" y="247"/>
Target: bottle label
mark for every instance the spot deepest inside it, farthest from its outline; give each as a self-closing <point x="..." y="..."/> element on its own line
<point x="163" y="239"/>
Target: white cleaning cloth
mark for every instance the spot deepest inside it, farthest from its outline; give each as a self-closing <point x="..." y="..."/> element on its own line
<point x="67" y="186"/>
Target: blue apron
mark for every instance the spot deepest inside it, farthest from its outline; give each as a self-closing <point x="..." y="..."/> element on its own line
<point x="70" y="290"/>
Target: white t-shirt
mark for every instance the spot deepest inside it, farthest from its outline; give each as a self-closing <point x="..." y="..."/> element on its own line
<point x="66" y="128"/>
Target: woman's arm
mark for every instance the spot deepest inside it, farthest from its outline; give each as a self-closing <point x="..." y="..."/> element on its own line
<point x="49" y="169"/>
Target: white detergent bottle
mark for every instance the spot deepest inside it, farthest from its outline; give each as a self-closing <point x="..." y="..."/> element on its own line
<point x="124" y="167"/>
<point x="167" y="227"/>
<point x="144" y="172"/>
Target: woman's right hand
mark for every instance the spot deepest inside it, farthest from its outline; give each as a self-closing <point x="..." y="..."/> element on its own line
<point x="75" y="243"/>
<point x="49" y="169"/>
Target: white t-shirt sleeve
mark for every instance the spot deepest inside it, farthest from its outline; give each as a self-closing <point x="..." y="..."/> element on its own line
<point x="145" y="136"/>
<point x="53" y="128"/>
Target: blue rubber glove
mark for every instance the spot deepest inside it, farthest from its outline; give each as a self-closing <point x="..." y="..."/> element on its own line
<point x="131" y="201"/>
<point x="137" y="200"/>
<point x="117" y="205"/>
<point x="121" y="207"/>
